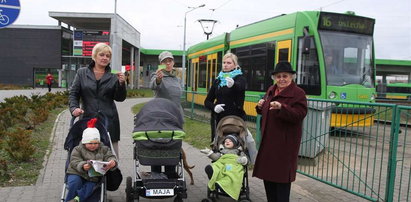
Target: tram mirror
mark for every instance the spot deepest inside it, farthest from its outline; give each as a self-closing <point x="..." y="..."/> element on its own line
<point x="306" y="45"/>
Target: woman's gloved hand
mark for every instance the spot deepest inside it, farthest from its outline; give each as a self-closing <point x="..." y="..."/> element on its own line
<point x="219" y="108"/>
<point x="230" y="82"/>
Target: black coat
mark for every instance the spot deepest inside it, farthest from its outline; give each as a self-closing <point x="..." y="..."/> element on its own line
<point x="98" y="97"/>
<point x="233" y="98"/>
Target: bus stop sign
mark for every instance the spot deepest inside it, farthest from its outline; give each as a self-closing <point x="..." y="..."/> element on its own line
<point x="9" y="11"/>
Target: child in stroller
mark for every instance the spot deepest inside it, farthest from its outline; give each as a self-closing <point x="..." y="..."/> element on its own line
<point x="81" y="176"/>
<point x="227" y="167"/>
<point x="228" y="172"/>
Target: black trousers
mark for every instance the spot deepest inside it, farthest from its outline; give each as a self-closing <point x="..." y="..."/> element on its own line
<point x="49" y="86"/>
<point x="209" y="171"/>
<point x="277" y="192"/>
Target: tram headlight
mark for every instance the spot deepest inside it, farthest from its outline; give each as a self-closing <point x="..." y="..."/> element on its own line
<point x="372" y="98"/>
<point x="332" y="95"/>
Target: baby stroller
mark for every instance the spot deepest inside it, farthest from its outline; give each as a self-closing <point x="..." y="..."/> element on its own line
<point x="230" y="125"/>
<point x="72" y="140"/>
<point x="158" y="133"/>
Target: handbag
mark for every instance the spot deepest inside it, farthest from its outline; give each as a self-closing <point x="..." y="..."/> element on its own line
<point x="113" y="179"/>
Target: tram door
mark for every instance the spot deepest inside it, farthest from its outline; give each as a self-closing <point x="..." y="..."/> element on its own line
<point x="211" y="69"/>
<point x="283" y="51"/>
<point x="194" y="77"/>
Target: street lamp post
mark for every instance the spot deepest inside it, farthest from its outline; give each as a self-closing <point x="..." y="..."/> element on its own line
<point x="207" y="30"/>
<point x="184" y="43"/>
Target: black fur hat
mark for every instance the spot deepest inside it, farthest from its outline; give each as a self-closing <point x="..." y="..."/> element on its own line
<point x="283" y="67"/>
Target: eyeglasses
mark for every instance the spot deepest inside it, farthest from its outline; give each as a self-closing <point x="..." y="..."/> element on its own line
<point x="93" y="143"/>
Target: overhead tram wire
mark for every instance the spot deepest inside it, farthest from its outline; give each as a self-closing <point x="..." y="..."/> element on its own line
<point x="330" y="4"/>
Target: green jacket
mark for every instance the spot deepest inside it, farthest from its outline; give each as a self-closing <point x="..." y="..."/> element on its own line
<point x="80" y="155"/>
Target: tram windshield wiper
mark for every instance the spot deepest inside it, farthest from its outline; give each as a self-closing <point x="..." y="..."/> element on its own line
<point x="366" y="77"/>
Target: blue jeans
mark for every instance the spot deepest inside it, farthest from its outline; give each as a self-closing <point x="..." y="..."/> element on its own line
<point x="78" y="186"/>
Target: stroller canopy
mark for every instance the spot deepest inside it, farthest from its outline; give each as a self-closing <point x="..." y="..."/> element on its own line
<point x="230" y="124"/>
<point x="157" y="115"/>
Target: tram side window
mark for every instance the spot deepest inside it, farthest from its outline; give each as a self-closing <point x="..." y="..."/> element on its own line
<point x="195" y="76"/>
<point x="308" y="71"/>
<point x="256" y="62"/>
<point x="202" y="70"/>
<point x="219" y="63"/>
<point x="283" y="55"/>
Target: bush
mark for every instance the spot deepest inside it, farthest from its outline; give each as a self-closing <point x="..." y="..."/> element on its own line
<point x="3" y="169"/>
<point x="19" y="145"/>
<point x="19" y="115"/>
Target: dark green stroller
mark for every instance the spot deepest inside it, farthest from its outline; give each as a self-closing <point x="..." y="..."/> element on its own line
<point x="158" y="133"/>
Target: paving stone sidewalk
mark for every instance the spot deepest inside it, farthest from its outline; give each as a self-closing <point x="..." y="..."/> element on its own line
<point x="49" y="185"/>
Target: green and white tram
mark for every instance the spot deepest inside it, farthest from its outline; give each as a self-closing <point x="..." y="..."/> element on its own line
<point x="332" y="53"/>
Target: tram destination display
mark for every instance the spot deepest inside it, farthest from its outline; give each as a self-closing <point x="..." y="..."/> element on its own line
<point x="346" y="23"/>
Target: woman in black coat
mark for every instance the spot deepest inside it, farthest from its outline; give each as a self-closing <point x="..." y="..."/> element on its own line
<point x="98" y="88"/>
<point x="226" y="95"/>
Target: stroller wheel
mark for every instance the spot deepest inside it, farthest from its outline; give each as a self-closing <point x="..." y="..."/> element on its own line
<point x="129" y="191"/>
<point x="178" y="199"/>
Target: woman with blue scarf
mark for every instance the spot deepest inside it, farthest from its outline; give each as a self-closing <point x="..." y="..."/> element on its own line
<point x="226" y="95"/>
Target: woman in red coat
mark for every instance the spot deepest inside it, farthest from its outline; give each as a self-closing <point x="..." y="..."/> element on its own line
<point x="49" y="81"/>
<point x="283" y="109"/>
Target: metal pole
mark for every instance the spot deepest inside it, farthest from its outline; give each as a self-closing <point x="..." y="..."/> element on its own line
<point x="184" y="53"/>
<point x="131" y="75"/>
<point x="184" y="44"/>
<point x="115" y="6"/>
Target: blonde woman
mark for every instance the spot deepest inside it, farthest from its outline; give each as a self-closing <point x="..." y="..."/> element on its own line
<point x="227" y="93"/>
<point x="97" y="89"/>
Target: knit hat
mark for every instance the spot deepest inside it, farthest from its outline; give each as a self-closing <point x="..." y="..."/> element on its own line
<point x="233" y="138"/>
<point x="91" y="133"/>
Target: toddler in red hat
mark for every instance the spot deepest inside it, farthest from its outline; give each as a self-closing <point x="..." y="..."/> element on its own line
<point x="79" y="179"/>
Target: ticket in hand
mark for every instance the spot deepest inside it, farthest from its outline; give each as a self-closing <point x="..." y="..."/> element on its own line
<point x="161" y="66"/>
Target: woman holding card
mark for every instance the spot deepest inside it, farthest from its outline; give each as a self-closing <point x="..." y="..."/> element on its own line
<point x="98" y="88"/>
<point x="164" y="81"/>
<point x="165" y="84"/>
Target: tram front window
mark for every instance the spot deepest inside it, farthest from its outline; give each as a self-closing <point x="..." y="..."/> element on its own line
<point x="347" y="58"/>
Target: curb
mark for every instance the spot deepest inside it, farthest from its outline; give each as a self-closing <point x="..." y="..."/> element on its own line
<point x="40" y="178"/>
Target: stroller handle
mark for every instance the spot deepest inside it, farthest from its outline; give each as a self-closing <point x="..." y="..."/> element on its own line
<point x="151" y="140"/>
<point x="99" y="114"/>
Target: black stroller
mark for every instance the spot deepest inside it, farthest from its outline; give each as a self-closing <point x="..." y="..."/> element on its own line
<point x="72" y="140"/>
<point x="158" y="133"/>
<point x="229" y="125"/>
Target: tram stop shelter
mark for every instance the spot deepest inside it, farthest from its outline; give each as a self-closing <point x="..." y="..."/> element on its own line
<point x="91" y="28"/>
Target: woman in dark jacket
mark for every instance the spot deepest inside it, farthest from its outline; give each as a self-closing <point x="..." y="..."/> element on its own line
<point x="283" y="109"/>
<point x="226" y="95"/>
<point x="97" y="88"/>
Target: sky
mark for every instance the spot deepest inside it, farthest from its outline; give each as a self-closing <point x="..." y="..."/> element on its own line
<point x="160" y="22"/>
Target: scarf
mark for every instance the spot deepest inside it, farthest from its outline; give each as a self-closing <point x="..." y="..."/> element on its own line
<point x="222" y="75"/>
